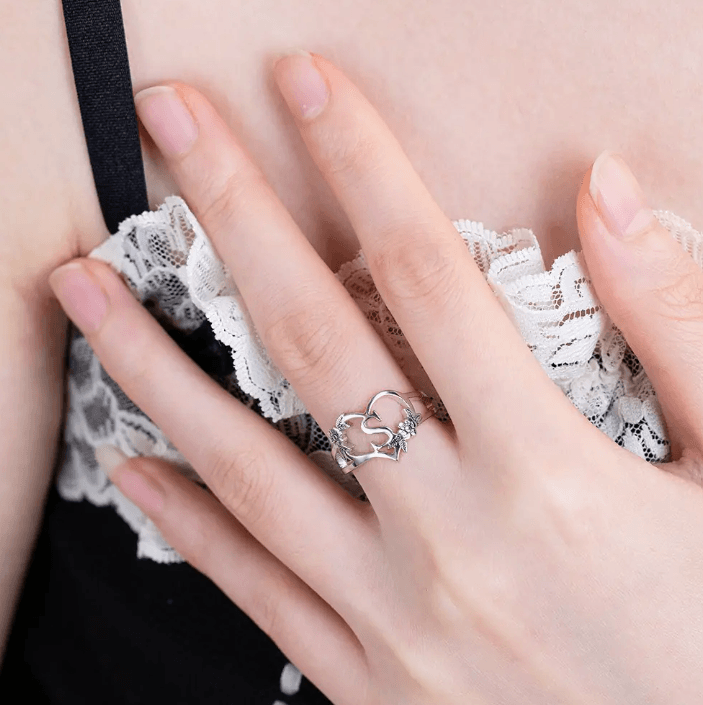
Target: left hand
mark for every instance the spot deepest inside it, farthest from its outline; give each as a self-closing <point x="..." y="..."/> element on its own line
<point x="519" y="556"/>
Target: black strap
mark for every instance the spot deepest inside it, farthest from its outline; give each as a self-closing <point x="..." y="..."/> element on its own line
<point x="98" y="48"/>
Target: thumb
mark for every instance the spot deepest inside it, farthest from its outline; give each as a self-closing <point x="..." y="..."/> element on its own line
<point x="651" y="288"/>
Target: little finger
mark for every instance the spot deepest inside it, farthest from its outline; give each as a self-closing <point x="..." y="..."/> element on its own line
<point x="311" y="634"/>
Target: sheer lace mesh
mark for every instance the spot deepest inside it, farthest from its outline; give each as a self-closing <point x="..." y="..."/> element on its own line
<point x="171" y="267"/>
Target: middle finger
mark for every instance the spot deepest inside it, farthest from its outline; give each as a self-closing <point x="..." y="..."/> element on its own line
<point x="472" y="352"/>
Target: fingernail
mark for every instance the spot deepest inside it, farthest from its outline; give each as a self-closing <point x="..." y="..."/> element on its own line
<point x="301" y="84"/>
<point x="167" y="119"/>
<point x="291" y="52"/>
<point x="618" y="197"/>
<point x="109" y="457"/>
<point x="80" y="295"/>
<point x="137" y="488"/>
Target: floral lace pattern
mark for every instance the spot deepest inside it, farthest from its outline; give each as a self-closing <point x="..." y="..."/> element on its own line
<point x="170" y="265"/>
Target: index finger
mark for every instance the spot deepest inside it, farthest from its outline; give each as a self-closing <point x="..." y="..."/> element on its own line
<point x="419" y="262"/>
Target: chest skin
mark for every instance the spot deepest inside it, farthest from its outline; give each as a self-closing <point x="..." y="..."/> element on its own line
<point x="501" y="106"/>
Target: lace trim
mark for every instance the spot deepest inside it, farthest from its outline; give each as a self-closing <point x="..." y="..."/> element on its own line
<point x="171" y="267"/>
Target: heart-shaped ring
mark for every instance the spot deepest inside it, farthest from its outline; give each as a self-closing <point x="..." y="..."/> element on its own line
<point x="396" y="440"/>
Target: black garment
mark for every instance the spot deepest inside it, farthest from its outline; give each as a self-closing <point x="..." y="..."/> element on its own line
<point x="98" y="626"/>
<point x="95" y="623"/>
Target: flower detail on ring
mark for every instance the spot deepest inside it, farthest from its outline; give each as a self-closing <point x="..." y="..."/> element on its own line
<point x="337" y="435"/>
<point x="406" y="429"/>
<point x="339" y="438"/>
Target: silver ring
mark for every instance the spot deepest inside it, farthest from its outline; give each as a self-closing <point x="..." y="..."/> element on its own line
<point x="397" y="441"/>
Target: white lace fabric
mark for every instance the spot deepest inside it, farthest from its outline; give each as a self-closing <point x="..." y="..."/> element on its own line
<point x="170" y="265"/>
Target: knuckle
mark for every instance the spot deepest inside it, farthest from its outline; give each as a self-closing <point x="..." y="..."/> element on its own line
<point x="221" y="198"/>
<point x="243" y="483"/>
<point x="569" y="514"/>
<point x="190" y="533"/>
<point x="192" y="538"/>
<point x="268" y="605"/>
<point x="132" y="370"/>
<point x="681" y="296"/>
<point x="308" y="343"/>
<point x="417" y="268"/>
<point x="349" y="153"/>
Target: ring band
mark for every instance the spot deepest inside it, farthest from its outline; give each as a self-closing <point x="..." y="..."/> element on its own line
<point x="397" y="439"/>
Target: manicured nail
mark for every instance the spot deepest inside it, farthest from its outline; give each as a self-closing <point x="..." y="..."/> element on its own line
<point x="301" y="84"/>
<point x="80" y="295"/>
<point x="618" y="196"/>
<point x="132" y="484"/>
<point x="167" y="119"/>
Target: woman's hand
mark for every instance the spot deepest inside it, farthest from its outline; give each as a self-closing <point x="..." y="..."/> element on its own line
<point x="519" y="556"/>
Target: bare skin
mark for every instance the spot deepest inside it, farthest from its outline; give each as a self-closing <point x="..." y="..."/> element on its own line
<point x="500" y="109"/>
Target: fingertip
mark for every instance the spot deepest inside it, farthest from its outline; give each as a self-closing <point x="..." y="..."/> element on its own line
<point x="593" y="172"/>
<point x="109" y="458"/>
<point x="587" y="217"/>
<point x="278" y="56"/>
<point x="302" y="84"/>
<point x="111" y="281"/>
<point x="140" y="489"/>
<point x="75" y="265"/>
<point x="80" y="294"/>
<point x="136" y="478"/>
<point x="169" y="119"/>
